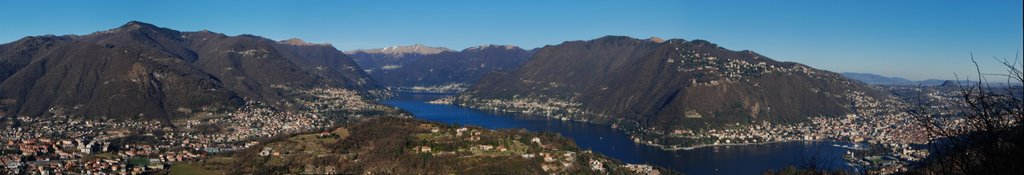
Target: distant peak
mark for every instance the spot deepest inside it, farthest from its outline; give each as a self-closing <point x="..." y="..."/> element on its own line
<point x="950" y="83"/>
<point x="491" y="46"/>
<point x="616" y="37"/>
<point x="701" y="42"/>
<point x="133" y="22"/>
<point x="409" y="49"/>
<point x="295" y="41"/>
<point x="655" y="39"/>
<point x="136" y="25"/>
<point x="299" y="42"/>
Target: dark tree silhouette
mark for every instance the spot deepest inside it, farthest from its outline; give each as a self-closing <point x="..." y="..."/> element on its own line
<point x="984" y="135"/>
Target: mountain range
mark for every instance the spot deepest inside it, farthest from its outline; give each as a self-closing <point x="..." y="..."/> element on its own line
<point x="391" y="57"/>
<point x="665" y="84"/>
<point x="875" y="79"/>
<point x="139" y="70"/>
<point x="424" y="68"/>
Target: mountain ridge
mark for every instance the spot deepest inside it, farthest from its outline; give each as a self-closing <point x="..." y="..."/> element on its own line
<point x="875" y="79"/>
<point x="446" y="71"/>
<point x="140" y="70"/>
<point x="402" y="49"/>
<point x="691" y="83"/>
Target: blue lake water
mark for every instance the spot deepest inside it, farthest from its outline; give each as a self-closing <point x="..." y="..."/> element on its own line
<point x="746" y="159"/>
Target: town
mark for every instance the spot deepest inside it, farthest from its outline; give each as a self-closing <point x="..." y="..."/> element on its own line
<point x="882" y="124"/>
<point x="64" y="144"/>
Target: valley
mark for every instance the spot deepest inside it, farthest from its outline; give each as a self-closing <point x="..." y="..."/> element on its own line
<point x="419" y="68"/>
<point x="511" y="87"/>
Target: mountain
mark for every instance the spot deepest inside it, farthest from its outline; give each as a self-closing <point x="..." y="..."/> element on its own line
<point x="667" y="84"/>
<point x="949" y="83"/>
<point x="300" y="42"/>
<point x="443" y="70"/>
<point x="877" y="79"/>
<point x="140" y="70"/>
<point x="882" y="80"/>
<point x="391" y="57"/>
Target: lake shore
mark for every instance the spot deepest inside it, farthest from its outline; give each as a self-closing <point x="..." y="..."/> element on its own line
<point x="738" y="158"/>
<point x="671" y="148"/>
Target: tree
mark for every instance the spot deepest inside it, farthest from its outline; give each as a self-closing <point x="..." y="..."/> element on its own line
<point x="984" y="135"/>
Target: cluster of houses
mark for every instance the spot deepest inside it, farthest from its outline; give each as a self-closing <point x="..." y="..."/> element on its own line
<point x="64" y="156"/>
<point x="70" y="145"/>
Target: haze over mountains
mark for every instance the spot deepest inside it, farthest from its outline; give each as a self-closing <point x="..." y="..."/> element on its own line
<point x="424" y="68"/>
<point x="877" y="79"/>
<point x="392" y="57"/>
<point x="665" y="84"/>
<point x="883" y="80"/>
<point x="141" y="70"/>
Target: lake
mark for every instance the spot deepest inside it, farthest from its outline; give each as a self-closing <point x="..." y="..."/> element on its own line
<point x="746" y="159"/>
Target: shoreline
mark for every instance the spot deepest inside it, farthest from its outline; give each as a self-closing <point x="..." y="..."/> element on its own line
<point x="669" y="148"/>
<point x="659" y="146"/>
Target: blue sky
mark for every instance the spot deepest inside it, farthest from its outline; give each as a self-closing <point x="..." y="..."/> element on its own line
<point x="915" y="39"/>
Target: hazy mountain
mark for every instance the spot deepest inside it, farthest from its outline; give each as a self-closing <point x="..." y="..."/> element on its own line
<point x="402" y="50"/>
<point x="392" y="57"/>
<point x="141" y="70"/>
<point x="882" y="80"/>
<point x="446" y="68"/>
<point x="300" y="42"/>
<point x="877" y="79"/>
<point x="664" y="83"/>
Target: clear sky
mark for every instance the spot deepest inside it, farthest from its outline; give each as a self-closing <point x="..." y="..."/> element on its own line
<point x="916" y="39"/>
